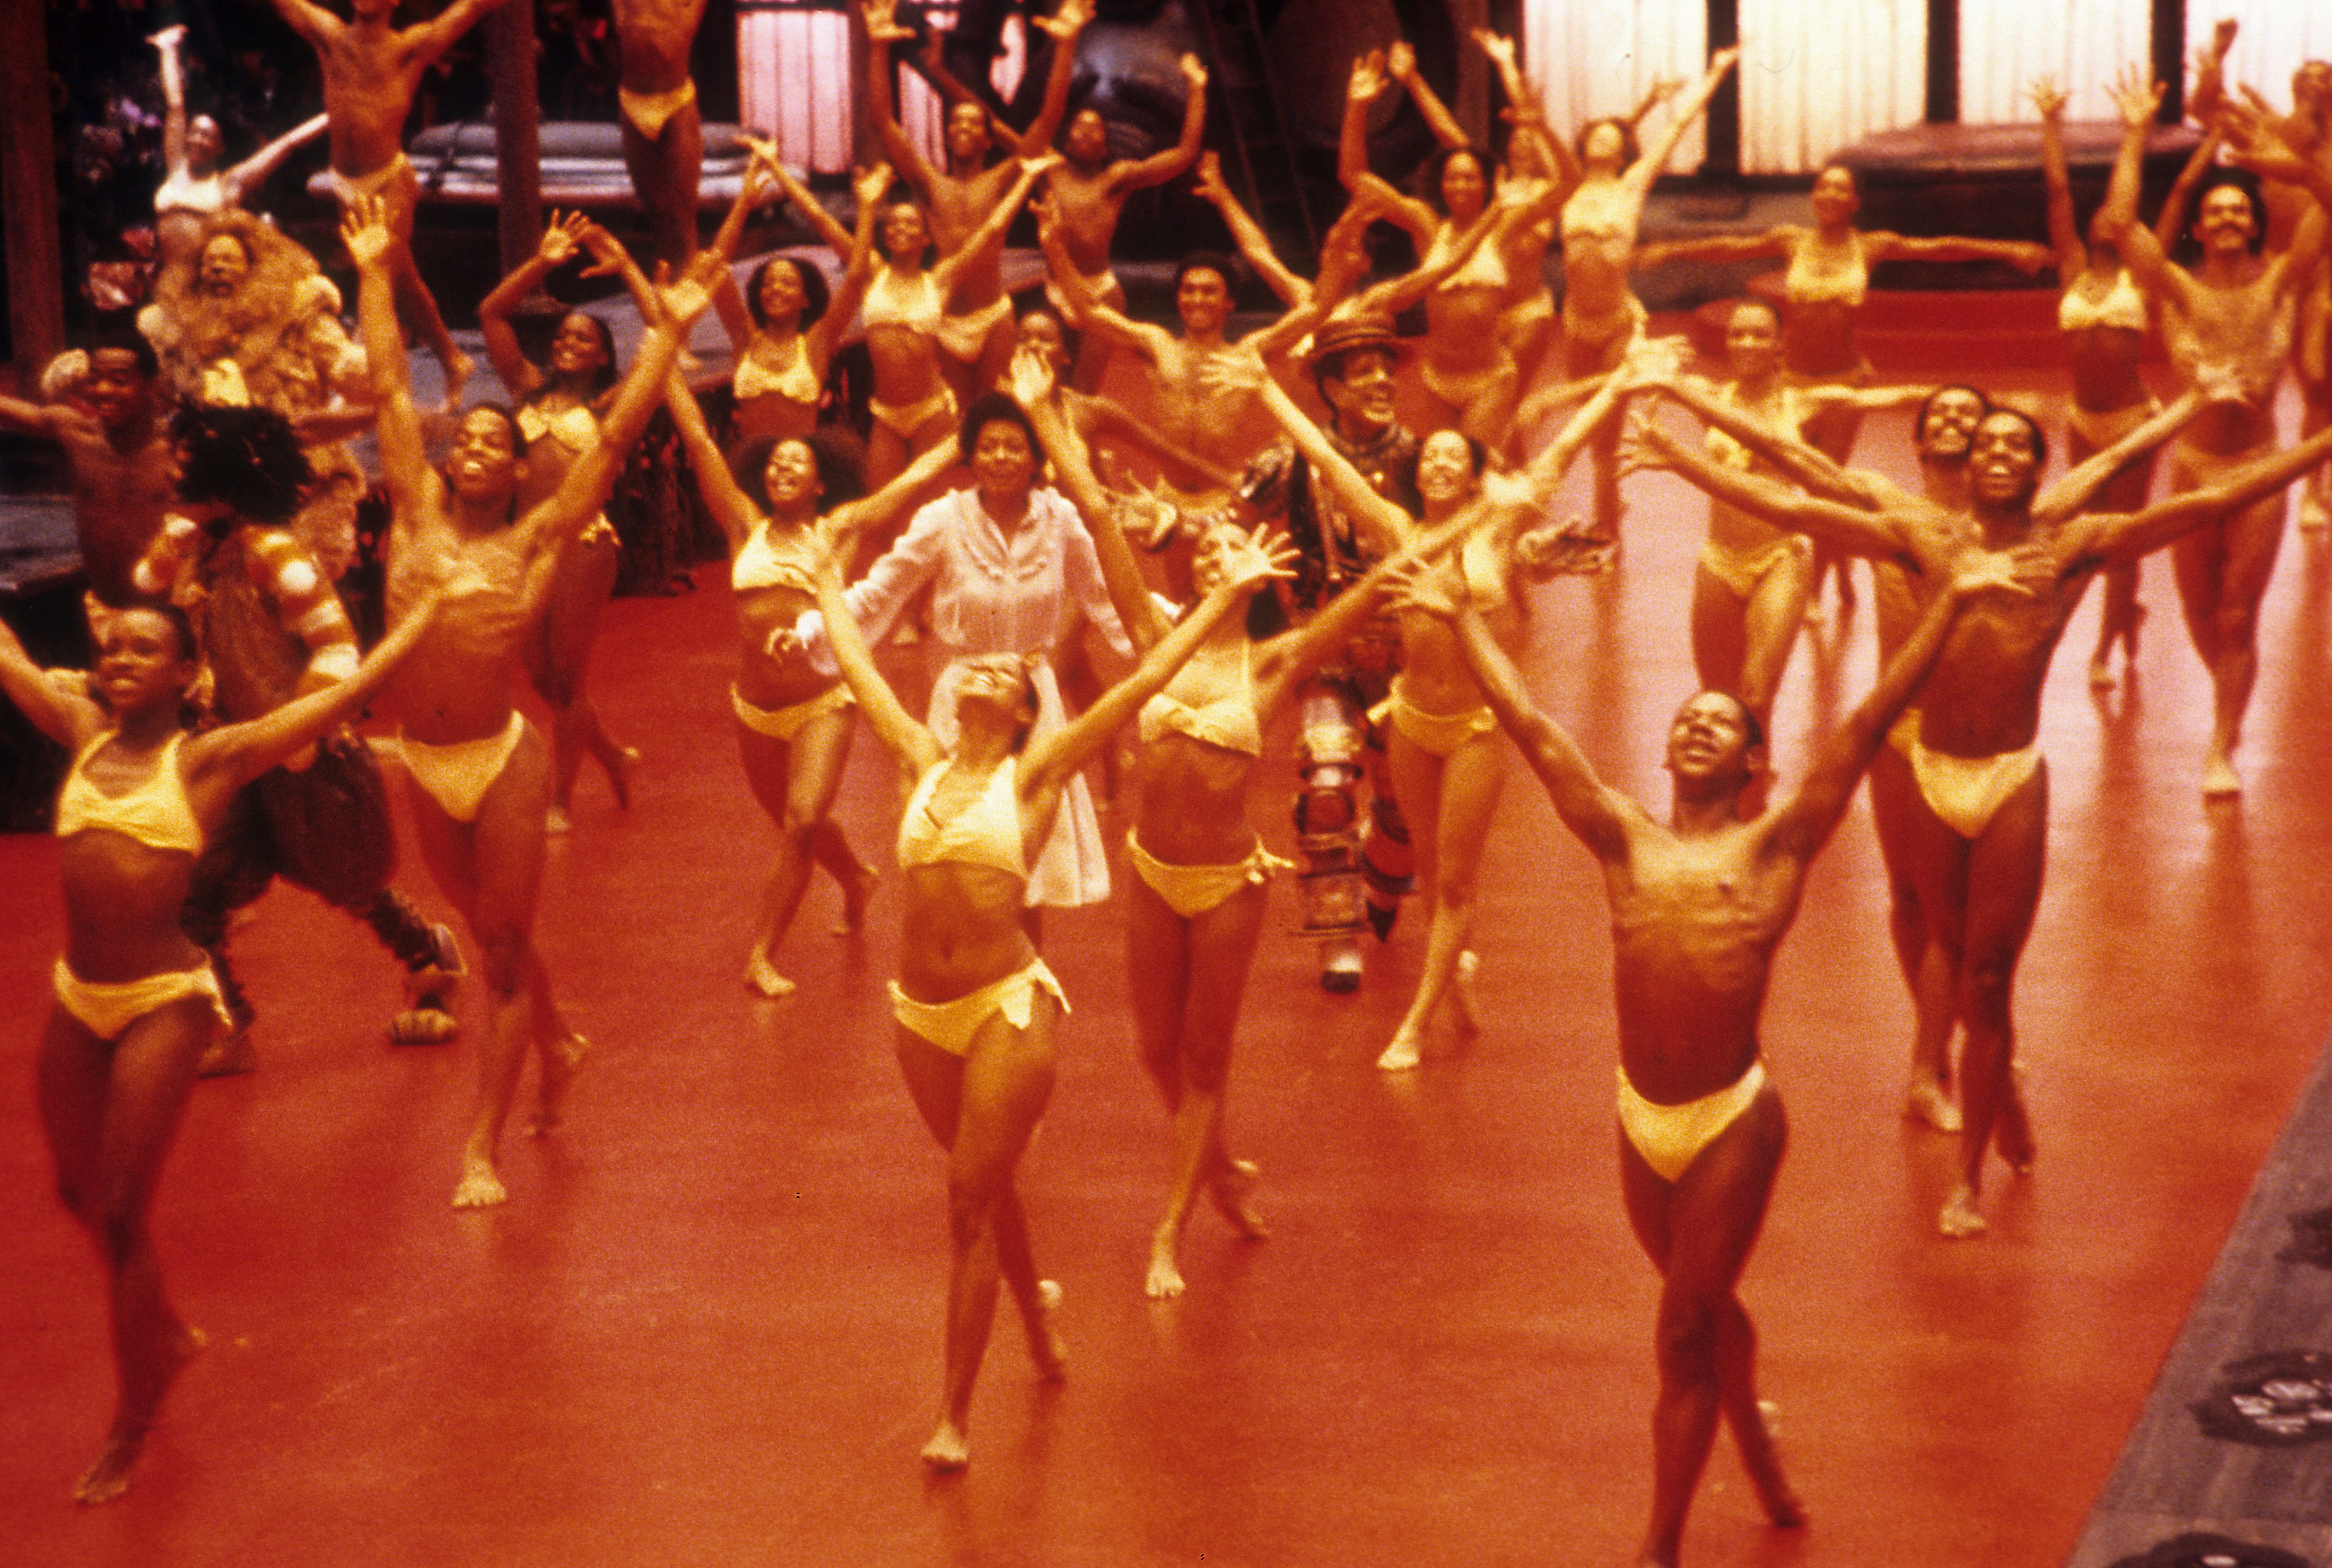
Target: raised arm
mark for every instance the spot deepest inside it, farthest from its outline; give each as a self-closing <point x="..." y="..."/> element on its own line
<point x="252" y="172"/>
<point x="1646" y="168"/>
<point x="829" y="228"/>
<point x="1785" y="449"/>
<point x="2064" y="234"/>
<point x="1160" y="166"/>
<point x="1366" y="84"/>
<point x="2072" y="490"/>
<point x="1063" y="28"/>
<point x="1389" y="522"/>
<point x="728" y="300"/>
<point x="827" y="333"/>
<point x="846" y="522"/>
<point x="2134" y="534"/>
<point x="1248" y="234"/>
<point x="2262" y="148"/>
<point x="173" y="98"/>
<point x="999" y="217"/>
<point x="234" y="755"/>
<point x="1881" y="534"/>
<point x="1802" y="823"/>
<point x="1049" y="760"/>
<point x="2145" y="255"/>
<point x="403" y="455"/>
<point x="561" y="241"/>
<point x="1086" y="312"/>
<point x="900" y="732"/>
<point x="311" y="22"/>
<point x="1775" y="242"/>
<point x="1032" y="384"/>
<point x="883" y="30"/>
<point x="1401" y="64"/>
<point x="2210" y="89"/>
<point x="734" y="511"/>
<point x="1597" y="813"/>
<point x="32" y="418"/>
<point x="425" y="41"/>
<point x="2172" y="216"/>
<point x="67" y="717"/>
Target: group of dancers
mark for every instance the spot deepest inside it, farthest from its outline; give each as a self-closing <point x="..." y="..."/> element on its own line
<point x="1314" y="554"/>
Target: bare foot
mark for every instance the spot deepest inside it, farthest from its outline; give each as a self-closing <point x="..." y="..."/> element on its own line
<point x="1400" y="1055"/>
<point x="1931" y="1103"/>
<point x="2313" y="511"/>
<point x="948" y="1451"/>
<point x="2100" y="674"/>
<point x="619" y="774"/>
<point x="855" y="891"/>
<point x="1045" y="1346"/>
<point x="1461" y="991"/>
<point x="2012" y="1135"/>
<point x="1165" y="1280"/>
<point x="560" y="1059"/>
<point x="2220" y="779"/>
<point x="109" y="1477"/>
<point x="1233" y="1192"/>
<point x="761" y="978"/>
<point x="480" y="1187"/>
<point x="1959" y="1218"/>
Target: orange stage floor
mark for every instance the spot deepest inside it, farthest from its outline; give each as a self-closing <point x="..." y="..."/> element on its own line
<point x="705" y="1330"/>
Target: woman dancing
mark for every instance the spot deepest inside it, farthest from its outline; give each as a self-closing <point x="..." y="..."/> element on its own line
<point x="1601" y="313"/>
<point x="2231" y="313"/>
<point x="193" y="187"/>
<point x="558" y="411"/>
<point x="1449" y="761"/>
<point x="1828" y="279"/>
<point x="136" y="1000"/>
<point x="794" y="722"/>
<point x="914" y="407"/>
<point x="976" y="1007"/>
<point x="2103" y="317"/>
<point x="789" y="322"/>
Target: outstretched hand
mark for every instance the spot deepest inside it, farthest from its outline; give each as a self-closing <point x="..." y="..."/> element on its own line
<point x="561" y="239"/>
<point x="1401" y="61"/>
<point x="1248" y="561"/>
<point x="1030" y="377"/>
<point x="1496" y="45"/>
<point x="1209" y="180"/>
<point x="1643" y="445"/>
<point x="364" y="231"/>
<point x="2135" y="97"/>
<point x="1431" y="587"/>
<point x="684" y="298"/>
<point x="2021" y="572"/>
<point x="1065" y="23"/>
<point x="1193" y="72"/>
<point x="1045" y="162"/>
<point x="2047" y="97"/>
<point x="883" y="24"/>
<point x="868" y="185"/>
<point x="1369" y="82"/>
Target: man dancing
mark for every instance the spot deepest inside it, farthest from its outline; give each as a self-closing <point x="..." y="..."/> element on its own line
<point x="1699" y="904"/>
<point x="370" y="72"/>
<point x="107" y="413"/>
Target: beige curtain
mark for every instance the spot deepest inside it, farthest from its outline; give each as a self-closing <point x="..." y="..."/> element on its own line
<point x="795" y="83"/>
<point x="1818" y="75"/>
<point x="2276" y="36"/>
<point x="2082" y="44"/>
<point x="1594" y="58"/>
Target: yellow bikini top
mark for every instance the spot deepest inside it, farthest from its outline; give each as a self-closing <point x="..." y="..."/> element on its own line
<point x="2122" y="306"/>
<point x="762" y="564"/>
<point x="985" y="833"/>
<point x="156" y="813"/>
<point x="575" y="427"/>
<point x="1227" y="720"/>
<point x="1806" y="284"/>
<point x="759" y="374"/>
<point x="896" y="300"/>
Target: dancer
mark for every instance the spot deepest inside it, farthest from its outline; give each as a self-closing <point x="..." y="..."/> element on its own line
<point x="370" y="72"/>
<point x="958" y="200"/>
<point x="480" y="773"/>
<point x="794" y="722"/>
<point x="112" y="420"/>
<point x="269" y="628"/>
<point x="1009" y="565"/>
<point x="2103" y="318"/>
<point x="1752" y="582"/>
<point x="559" y="413"/>
<point x="2308" y="130"/>
<point x="664" y="134"/>
<point x="1979" y="830"/>
<point x="1086" y="192"/>
<point x="912" y="403"/>
<point x="135" y="1001"/>
<point x="193" y="185"/>
<point x="1829" y="278"/>
<point x="976" y="1006"/>
<point x="2232" y="311"/>
<point x="1601" y="313"/>
<point x="1447" y="765"/>
<point x="1699" y="904"/>
<point x="786" y="329"/>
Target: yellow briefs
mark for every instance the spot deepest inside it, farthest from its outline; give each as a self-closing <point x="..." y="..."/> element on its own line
<point x="108" y="1008"/>
<point x="1671" y="1137"/>
<point x="1192" y="890"/>
<point x="951" y="1026"/>
<point x="457" y="775"/>
<point x="784" y="723"/>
